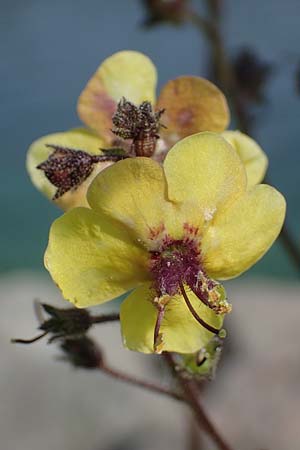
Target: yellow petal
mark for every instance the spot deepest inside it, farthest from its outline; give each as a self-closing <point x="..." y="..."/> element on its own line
<point x="205" y="172"/>
<point x="77" y="139"/>
<point x="133" y="191"/>
<point x="180" y="331"/>
<point x="243" y="233"/>
<point x="126" y="74"/>
<point x="192" y="105"/>
<point x="91" y="259"/>
<point x="252" y="155"/>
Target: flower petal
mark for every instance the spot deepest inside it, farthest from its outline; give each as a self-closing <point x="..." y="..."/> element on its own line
<point x="133" y="191"/>
<point x="254" y="158"/>
<point x="243" y="233"/>
<point x="192" y="104"/>
<point x="78" y="139"/>
<point x="92" y="259"/>
<point x="126" y="74"/>
<point x="180" y="331"/>
<point x="204" y="171"/>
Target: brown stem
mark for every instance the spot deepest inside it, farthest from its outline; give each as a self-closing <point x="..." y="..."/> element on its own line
<point x="29" y="341"/>
<point x="289" y="245"/>
<point x="224" y="72"/>
<point x="112" y="317"/>
<point x="150" y="386"/>
<point x="109" y="157"/>
<point x="194" y="438"/>
<point x="192" y="398"/>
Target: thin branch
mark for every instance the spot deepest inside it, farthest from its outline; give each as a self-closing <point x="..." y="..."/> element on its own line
<point x="289" y="245"/>
<point x="112" y="317"/>
<point x="29" y="341"/>
<point x="191" y="395"/>
<point x="211" y="28"/>
<point x="150" y="386"/>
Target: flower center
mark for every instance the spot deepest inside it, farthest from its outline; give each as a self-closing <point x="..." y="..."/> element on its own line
<point x="175" y="264"/>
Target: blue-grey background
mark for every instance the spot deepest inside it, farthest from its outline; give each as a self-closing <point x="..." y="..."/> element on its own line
<point x="49" y="49"/>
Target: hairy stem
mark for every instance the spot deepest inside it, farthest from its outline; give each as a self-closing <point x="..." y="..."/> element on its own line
<point x="149" y="386"/>
<point x="191" y="396"/>
<point x="112" y="317"/>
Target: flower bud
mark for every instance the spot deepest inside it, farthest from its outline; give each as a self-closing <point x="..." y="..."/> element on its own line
<point x="82" y="352"/>
<point x="173" y="11"/>
<point x="66" y="322"/>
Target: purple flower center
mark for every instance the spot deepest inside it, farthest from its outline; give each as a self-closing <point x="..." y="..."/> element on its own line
<point x="175" y="262"/>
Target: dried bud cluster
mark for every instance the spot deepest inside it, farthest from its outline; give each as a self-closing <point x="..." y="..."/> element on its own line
<point x="66" y="169"/>
<point x="251" y="74"/>
<point x="173" y="11"/>
<point x="138" y="123"/>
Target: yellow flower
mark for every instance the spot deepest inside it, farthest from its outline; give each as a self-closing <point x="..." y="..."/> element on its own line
<point x="192" y="104"/>
<point x="165" y="233"/>
<point x="252" y="155"/>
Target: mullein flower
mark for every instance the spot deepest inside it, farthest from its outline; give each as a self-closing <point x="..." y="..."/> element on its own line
<point x="190" y="105"/>
<point x="119" y="107"/>
<point x="166" y="234"/>
<point x="251" y="154"/>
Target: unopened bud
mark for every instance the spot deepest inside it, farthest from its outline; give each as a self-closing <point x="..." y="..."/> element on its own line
<point x="82" y="352"/>
<point x="251" y="73"/>
<point x="66" y="322"/>
<point x="173" y="11"/>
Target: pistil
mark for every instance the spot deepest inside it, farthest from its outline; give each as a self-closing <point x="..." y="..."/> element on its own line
<point x="195" y="314"/>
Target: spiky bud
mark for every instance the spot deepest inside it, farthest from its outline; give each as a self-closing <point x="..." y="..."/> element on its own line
<point x="138" y="123"/>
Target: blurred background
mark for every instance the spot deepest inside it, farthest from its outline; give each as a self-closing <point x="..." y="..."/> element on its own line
<point x="48" y="52"/>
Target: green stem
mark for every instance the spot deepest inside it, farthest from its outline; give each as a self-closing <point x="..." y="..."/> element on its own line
<point x="129" y="379"/>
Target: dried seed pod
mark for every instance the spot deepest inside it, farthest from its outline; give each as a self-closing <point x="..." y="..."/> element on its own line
<point x="68" y="168"/>
<point x="138" y="123"/>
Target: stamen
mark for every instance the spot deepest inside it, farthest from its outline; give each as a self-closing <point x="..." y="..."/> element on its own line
<point x="195" y="314"/>
<point x="157" y="335"/>
<point x="111" y="154"/>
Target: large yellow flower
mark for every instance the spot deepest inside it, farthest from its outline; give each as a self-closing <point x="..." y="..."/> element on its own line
<point x="192" y="104"/>
<point x="165" y="233"/>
